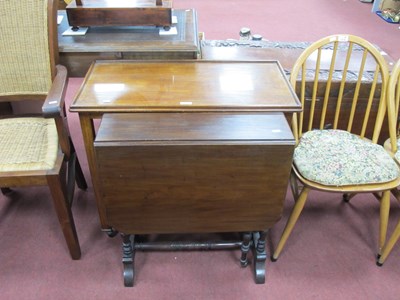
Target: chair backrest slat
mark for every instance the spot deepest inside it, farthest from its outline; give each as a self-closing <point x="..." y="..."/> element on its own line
<point x="302" y="95"/>
<point x="370" y="102"/>
<point x="356" y="93"/>
<point x="315" y="89"/>
<point x="393" y="96"/>
<point x="328" y="85"/>
<point x="341" y="82"/>
<point x="342" y="86"/>
<point x="397" y="99"/>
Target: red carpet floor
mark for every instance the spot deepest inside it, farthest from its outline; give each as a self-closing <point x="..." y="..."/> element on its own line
<point x="330" y="255"/>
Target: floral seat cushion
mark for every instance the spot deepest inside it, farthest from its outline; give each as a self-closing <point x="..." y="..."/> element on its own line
<point x="339" y="158"/>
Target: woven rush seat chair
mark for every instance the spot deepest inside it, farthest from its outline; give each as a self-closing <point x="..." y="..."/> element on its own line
<point x="36" y="149"/>
<point x="332" y="153"/>
<point x="393" y="145"/>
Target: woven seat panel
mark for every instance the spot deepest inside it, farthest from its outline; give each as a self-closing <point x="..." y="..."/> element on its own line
<point x="27" y="144"/>
<point x="24" y="50"/>
<point x="339" y="158"/>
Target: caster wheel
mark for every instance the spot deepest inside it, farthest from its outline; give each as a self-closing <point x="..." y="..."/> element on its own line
<point x="111" y="233"/>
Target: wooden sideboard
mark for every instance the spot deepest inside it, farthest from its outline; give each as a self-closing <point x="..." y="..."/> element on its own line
<point x="77" y="52"/>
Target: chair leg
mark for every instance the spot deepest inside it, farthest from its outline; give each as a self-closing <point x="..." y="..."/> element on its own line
<point x="347" y="196"/>
<point x="64" y="214"/>
<point x="298" y="207"/>
<point x="389" y="245"/>
<point x="294" y="185"/>
<point x="383" y="220"/>
<point x="6" y="190"/>
<point x="395" y="192"/>
<point x="79" y="177"/>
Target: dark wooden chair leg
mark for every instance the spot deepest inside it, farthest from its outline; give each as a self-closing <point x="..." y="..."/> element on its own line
<point x="63" y="209"/>
<point x="79" y="177"/>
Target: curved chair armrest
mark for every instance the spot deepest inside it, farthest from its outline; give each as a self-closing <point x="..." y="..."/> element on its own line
<point x="53" y="107"/>
<point x="54" y="103"/>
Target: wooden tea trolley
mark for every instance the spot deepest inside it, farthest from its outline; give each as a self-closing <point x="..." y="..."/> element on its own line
<point x="188" y="147"/>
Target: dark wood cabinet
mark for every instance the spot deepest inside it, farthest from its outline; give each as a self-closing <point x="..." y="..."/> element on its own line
<point x="77" y="52"/>
<point x="128" y="13"/>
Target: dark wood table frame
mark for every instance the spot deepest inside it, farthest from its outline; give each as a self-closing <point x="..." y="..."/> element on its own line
<point x="181" y="86"/>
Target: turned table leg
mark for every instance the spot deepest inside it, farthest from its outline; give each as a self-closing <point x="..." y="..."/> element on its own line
<point x="245" y="247"/>
<point x="128" y="255"/>
<point x="260" y="256"/>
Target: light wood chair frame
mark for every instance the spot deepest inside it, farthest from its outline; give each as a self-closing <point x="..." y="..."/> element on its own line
<point x="393" y="96"/>
<point x="300" y="185"/>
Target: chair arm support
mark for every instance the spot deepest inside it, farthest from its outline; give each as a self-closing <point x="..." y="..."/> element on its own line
<point x="54" y="103"/>
<point x="53" y="107"/>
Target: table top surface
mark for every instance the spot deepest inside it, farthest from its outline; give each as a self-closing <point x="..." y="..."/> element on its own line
<point x="134" y="86"/>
